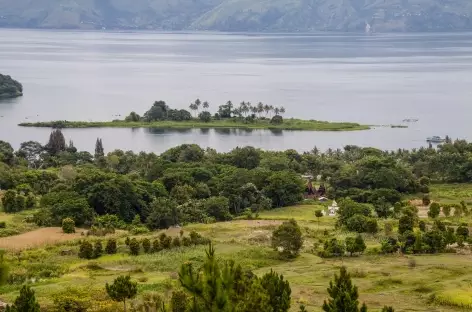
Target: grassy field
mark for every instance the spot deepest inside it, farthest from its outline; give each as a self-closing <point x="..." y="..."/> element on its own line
<point x="288" y="124"/>
<point x="438" y="283"/>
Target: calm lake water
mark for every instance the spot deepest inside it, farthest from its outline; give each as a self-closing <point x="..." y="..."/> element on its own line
<point x="380" y="79"/>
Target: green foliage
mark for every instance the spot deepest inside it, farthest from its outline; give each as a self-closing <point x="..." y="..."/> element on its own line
<point x="422" y="226"/>
<point x="434" y="210"/>
<point x="332" y="248"/>
<point x="146" y="245"/>
<point x="97" y="249"/>
<point x="284" y="188"/>
<point x="68" y="225"/>
<point x="355" y="244"/>
<point x="64" y="205"/>
<point x="278" y="290"/>
<point x="389" y="245"/>
<point x="111" y="246"/>
<point x="362" y="224"/>
<point x="134" y="247"/>
<point x="25" y="302"/>
<point x="57" y="142"/>
<point x="179" y="301"/>
<point x="122" y="289"/>
<point x="426" y="200"/>
<point x="217" y="207"/>
<point x="343" y="295"/>
<point x="287" y="239"/>
<point x="86" y="250"/>
<point x="463" y="231"/>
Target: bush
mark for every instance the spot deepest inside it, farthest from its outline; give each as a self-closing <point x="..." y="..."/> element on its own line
<point x="85" y="250"/>
<point x="287" y="239"/>
<point x="146" y="245"/>
<point x="97" y="249"/>
<point x="389" y="245"/>
<point x="68" y="225"/>
<point x="186" y="241"/>
<point x="176" y="242"/>
<point x="426" y="200"/>
<point x="138" y="230"/>
<point x="422" y="226"/>
<point x="333" y="248"/>
<point x="134" y="247"/>
<point x="3" y="225"/>
<point x="277" y="120"/>
<point x="111" y="246"/>
<point x="156" y="246"/>
<point x="434" y="210"/>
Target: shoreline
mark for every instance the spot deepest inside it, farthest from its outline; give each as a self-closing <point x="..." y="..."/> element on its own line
<point x="288" y="124"/>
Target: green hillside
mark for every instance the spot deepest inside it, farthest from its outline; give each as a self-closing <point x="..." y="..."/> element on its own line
<point x="240" y="15"/>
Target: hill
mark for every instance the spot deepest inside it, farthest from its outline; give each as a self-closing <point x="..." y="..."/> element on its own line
<point x="240" y="15"/>
<point x="9" y="88"/>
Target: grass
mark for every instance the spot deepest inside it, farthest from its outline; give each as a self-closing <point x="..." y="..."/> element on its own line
<point x="288" y="124"/>
<point x="435" y="283"/>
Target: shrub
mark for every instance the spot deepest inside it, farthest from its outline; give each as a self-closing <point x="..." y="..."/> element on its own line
<point x="97" y="249"/>
<point x="156" y="246"/>
<point x="3" y="224"/>
<point x="434" y="210"/>
<point x="422" y="226"/>
<point x="389" y="245"/>
<point x="146" y="245"/>
<point x="138" y="230"/>
<point x="111" y="246"/>
<point x="134" y="247"/>
<point x="333" y="248"/>
<point x="176" y="242"/>
<point x="127" y="241"/>
<point x="463" y="231"/>
<point x="166" y="243"/>
<point x="68" y="225"/>
<point x="178" y="301"/>
<point x="426" y="200"/>
<point x="186" y="241"/>
<point x="362" y="224"/>
<point x="85" y="250"/>
<point x="277" y="120"/>
<point x="446" y="209"/>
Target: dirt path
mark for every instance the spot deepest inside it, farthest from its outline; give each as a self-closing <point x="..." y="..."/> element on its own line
<point x="37" y="238"/>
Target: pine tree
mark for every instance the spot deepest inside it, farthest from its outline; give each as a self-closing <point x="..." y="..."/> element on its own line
<point x="97" y="249"/>
<point x="134" y="247"/>
<point x="279" y="291"/>
<point x="121" y="289"/>
<point x="344" y="295"/>
<point x="99" y="151"/>
<point x="25" y="302"/>
<point x="146" y="245"/>
<point x="57" y="142"/>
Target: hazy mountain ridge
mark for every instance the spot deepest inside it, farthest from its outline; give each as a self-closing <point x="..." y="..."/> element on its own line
<point x="240" y="15"/>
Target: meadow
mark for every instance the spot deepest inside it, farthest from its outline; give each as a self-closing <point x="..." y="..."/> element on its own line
<point x="440" y="282"/>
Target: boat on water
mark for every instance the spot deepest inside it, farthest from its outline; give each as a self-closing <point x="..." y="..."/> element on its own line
<point x="435" y="139"/>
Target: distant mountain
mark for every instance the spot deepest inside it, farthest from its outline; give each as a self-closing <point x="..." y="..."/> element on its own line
<point x="9" y="88"/>
<point x="240" y="15"/>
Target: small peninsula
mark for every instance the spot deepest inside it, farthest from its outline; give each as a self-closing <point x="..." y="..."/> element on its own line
<point x="244" y="116"/>
<point x="9" y="87"/>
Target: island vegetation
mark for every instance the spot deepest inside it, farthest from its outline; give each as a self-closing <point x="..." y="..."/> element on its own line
<point x="246" y="116"/>
<point x="9" y="88"/>
<point x="193" y="229"/>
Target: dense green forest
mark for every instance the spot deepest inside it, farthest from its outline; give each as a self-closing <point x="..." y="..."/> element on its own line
<point x="120" y="199"/>
<point x="9" y="88"/>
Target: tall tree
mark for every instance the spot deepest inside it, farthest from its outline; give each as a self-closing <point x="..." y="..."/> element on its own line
<point x="99" y="151"/>
<point x="344" y="295"/>
<point x="206" y="105"/>
<point x="57" y="142"/>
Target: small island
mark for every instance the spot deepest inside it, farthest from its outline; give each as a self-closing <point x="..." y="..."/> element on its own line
<point x="244" y="116"/>
<point x="9" y="87"/>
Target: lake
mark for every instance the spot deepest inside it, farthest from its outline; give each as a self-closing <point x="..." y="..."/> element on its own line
<point x="378" y="79"/>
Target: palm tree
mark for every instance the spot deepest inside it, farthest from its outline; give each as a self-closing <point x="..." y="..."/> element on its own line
<point x="243" y="108"/>
<point x="260" y="108"/>
<point x="266" y="109"/>
<point x="277" y="111"/>
<point x="193" y="106"/>
<point x="254" y="110"/>
<point x="197" y="104"/>
<point x="206" y="105"/>
<point x="282" y="110"/>
<point x="271" y="109"/>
